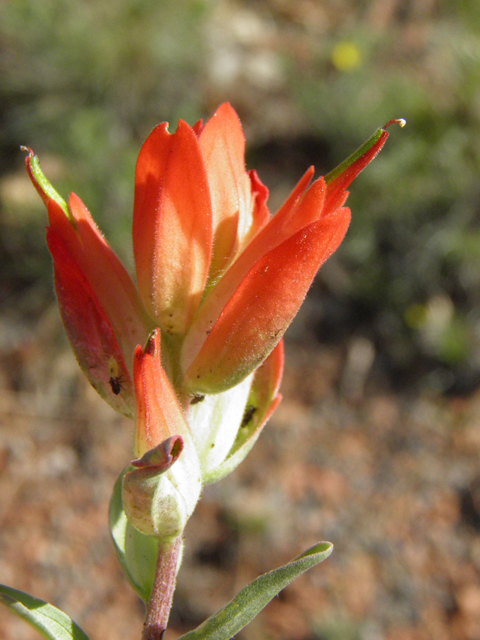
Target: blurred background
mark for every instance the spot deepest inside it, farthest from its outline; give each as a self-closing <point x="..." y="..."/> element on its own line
<point x="376" y="444"/>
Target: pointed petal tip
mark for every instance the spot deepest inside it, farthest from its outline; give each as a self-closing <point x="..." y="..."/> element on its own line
<point x="225" y="107"/>
<point x="152" y="346"/>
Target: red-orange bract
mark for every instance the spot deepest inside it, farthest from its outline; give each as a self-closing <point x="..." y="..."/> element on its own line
<point x="213" y="267"/>
<point x="219" y="276"/>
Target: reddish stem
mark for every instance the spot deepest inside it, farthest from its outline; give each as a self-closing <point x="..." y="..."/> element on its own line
<point x="158" y="609"/>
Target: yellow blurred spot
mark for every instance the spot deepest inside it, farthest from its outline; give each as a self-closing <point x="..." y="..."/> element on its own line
<point x="416" y="316"/>
<point x="346" y="56"/>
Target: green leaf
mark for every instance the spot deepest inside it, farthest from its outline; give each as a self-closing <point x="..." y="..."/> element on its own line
<point x="52" y="623"/>
<point x="255" y="596"/>
<point x="136" y="552"/>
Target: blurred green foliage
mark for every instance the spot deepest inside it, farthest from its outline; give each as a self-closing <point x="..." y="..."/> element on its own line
<point x="86" y="82"/>
<point x="338" y="629"/>
<point x="415" y="235"/>
<point x="83" y="83"/>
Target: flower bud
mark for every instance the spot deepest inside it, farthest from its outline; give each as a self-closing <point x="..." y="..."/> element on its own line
<point x="152" y="502"/>
<point x="160" y="493"/>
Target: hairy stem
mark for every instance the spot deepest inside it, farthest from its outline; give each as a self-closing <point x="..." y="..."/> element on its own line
<point x="158" y="609"/>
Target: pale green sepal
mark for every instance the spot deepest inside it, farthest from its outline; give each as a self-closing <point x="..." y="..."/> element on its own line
<point x="160" y="491"/>
<point x="52" y="623"/>
<point x="236" y="456"/>
<point x="247" y="435"/>
<point x="253" y="420"/>
<point x="136" y="552"/>
<point x="153" y="504"/>
<point x="255" y="596"/>
<point x="215" y="422"/>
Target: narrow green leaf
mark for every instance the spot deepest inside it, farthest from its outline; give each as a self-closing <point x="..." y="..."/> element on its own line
<point x="52" y="623"/>
<point x="136" y="552"/>
<point x="255" y="596"/>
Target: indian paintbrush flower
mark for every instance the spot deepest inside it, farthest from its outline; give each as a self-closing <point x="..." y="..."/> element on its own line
<point x="194" y="352"/>
<point x="219" y="281"/>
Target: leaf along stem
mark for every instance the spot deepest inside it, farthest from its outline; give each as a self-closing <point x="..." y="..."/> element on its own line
<point x="160" y="603"/>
